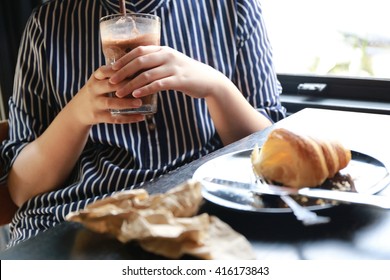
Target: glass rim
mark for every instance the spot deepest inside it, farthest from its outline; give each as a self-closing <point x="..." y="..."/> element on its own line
<point x="139" y="15"/>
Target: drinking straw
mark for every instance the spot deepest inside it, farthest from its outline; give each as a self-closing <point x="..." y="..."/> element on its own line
<point x="122" y="7"/>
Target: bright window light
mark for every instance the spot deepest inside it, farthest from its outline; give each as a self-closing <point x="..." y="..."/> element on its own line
<point x="330" y="37"/>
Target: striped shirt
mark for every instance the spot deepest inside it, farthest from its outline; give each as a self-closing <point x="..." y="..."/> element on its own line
<point x="59" y="51"/>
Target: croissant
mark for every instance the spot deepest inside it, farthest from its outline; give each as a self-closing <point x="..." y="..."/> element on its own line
<point x="298" y="161"/>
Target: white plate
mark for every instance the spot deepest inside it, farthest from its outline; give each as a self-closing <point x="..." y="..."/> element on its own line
<point x="366" y="171"/>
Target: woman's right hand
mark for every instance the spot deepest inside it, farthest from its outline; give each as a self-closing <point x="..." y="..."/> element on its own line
<point x="92" y="103"/>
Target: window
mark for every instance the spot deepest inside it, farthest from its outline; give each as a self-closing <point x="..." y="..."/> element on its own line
<point x="331" y="53"/>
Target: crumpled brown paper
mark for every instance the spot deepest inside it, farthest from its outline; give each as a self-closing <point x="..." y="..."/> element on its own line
<point x="165" y="224"/>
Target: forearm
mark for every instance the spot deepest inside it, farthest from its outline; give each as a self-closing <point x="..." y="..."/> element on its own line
<point x="233" y="116"/>
<point x="45" y="163"/>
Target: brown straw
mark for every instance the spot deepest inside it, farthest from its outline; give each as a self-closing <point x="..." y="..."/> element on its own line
<point x="122" y="7"/>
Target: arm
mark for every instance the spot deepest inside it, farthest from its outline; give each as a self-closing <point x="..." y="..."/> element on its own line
<point x="167" y="69"/>
<point x="255" y="74"/>
<point x="45" y="163"/>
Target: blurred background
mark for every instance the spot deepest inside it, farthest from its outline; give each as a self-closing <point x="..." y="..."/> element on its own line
<point x="330" y="37"/>
<point x="13" y="17"/>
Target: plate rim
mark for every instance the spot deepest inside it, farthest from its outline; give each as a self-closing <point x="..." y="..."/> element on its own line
<point x="276" y="210"/>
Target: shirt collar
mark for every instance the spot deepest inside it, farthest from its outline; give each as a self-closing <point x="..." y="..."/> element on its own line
<point x="139" y="6"/>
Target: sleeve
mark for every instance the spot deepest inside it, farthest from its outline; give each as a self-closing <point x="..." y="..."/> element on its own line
<point x="255" y="72"/>
<point x="29" y="109"/>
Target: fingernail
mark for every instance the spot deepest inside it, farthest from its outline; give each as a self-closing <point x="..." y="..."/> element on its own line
<point x="119" y="94"/>
<point x="137" y="102"/>
<point x="141" y="118"/>
<point x="136" y="93"/>
<point x="115" y="66"/>
<point x="113" y="80"/>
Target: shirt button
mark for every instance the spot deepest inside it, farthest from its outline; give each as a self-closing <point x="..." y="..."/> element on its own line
<point x="151" y="126"/>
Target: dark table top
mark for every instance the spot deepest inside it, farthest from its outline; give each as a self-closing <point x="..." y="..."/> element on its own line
<point x="355" y="232"/>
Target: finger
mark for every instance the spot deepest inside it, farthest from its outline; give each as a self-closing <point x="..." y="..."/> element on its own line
<point x="103" y="72"/>
<point x="156" y="86"/>
<point x="146" y="61"/>
<point x="143" y="79"/>
<point x="107" y="103"/>
<point x="137" y="52"/>
<point x="96" y="87"/>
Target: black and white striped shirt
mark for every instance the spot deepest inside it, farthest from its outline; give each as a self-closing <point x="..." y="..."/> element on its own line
<point x="59" y="51"/>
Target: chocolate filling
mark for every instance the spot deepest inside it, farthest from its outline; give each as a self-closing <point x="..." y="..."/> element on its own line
<point x="340" y="182"/>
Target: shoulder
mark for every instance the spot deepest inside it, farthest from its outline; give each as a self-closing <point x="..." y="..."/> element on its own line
<point x="56" y="14"/>
<point x="48" y="11"/>
<point x="54" y="10"/>
<point x="250" y="17"/>
<point x="249" y="9"/>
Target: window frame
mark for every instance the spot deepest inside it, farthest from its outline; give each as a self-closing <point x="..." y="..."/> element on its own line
<point x="343" y="93"/>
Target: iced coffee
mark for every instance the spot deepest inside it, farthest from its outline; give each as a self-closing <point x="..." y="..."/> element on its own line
<point x="120" y="34"/>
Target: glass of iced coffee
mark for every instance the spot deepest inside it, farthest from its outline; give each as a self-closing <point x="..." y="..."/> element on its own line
<point x="119" y="35"/>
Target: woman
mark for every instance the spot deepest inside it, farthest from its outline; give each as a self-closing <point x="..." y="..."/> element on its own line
<point x="215" y="82"/>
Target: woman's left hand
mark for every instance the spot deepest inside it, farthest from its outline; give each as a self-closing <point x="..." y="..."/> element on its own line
<point x="151" y="69"/>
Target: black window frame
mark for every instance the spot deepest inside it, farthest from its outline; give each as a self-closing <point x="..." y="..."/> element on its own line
<point x="369" y="95"/>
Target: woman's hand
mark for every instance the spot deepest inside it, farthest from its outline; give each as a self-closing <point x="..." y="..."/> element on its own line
<point x="92" y="104"/>
<point x="151" y="69"/>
